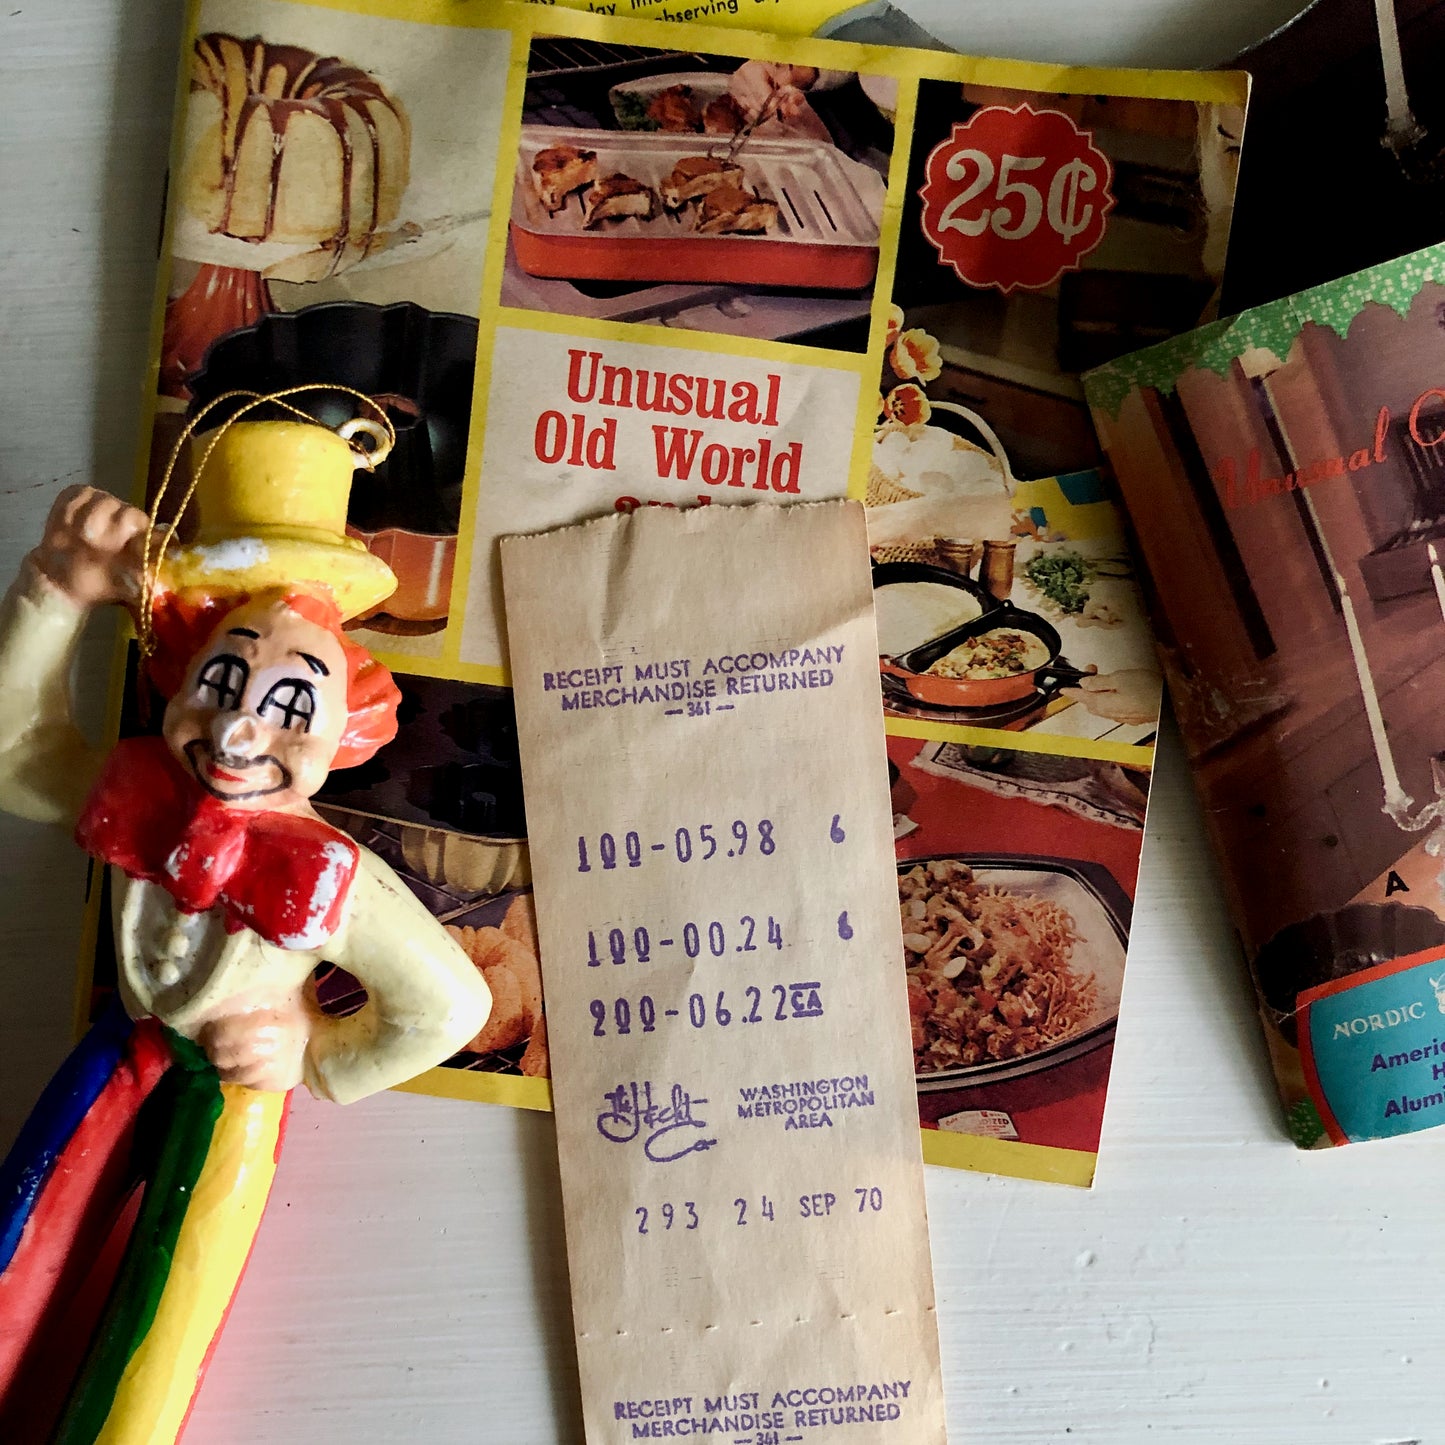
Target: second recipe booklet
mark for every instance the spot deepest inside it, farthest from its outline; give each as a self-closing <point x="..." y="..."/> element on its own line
<point x="594" y="265"/>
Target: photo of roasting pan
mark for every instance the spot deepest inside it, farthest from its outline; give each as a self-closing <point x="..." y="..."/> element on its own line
<point x="825" y="237"/>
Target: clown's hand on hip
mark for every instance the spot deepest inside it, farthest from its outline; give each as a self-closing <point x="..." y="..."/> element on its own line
<point x="264" y="1048"/>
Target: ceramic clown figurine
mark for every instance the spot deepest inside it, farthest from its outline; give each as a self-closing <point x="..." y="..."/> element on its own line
<point x="129" y="1202"/>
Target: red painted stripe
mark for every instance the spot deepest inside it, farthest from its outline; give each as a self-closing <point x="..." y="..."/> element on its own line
<point x="45" y="1291"/>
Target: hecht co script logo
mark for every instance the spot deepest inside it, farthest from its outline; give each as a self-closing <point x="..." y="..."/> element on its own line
<point x="1014" y="198"/>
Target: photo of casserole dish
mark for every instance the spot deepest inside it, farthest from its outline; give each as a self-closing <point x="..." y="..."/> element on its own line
<point x="1000" y="656"/>
<point x="1013" y="963"/>
<point x="661" y="206"/>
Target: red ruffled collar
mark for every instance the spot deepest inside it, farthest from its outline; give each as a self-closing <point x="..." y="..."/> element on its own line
<point x="283" y="876"/>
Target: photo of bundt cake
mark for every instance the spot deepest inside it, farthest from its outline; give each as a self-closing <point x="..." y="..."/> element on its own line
<point x="288" y="146"/>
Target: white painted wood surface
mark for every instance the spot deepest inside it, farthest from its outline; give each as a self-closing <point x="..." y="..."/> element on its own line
<point x="410" y="1284"/>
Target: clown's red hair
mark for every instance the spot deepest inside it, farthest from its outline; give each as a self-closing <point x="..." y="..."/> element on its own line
<point x="183" y="626"/>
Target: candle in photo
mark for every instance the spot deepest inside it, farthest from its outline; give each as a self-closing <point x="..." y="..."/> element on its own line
<point x="1388" y="776"/>
<point x="1437" y="577"/>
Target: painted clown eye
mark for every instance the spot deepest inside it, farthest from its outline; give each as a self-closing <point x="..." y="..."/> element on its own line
<point x="224" y="679"/>
<point x="290" y="704"/>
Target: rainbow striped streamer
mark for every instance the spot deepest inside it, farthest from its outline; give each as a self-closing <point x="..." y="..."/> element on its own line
<point x="128" y="1207"/>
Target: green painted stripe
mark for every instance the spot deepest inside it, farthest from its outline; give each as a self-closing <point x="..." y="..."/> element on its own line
<point x="173" y="1137"/>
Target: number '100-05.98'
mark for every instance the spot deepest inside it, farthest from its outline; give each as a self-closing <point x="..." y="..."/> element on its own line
<point x="706" y="845"/>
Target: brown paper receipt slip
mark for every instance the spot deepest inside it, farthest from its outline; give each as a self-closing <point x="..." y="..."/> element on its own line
<point x="707" y="787"/>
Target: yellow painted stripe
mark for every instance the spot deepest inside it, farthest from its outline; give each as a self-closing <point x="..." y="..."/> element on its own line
<point x="508" y="1089"/>
<point x="211" y="1251"/>
<point x="1101" y="751"/>
<point x="1007" y="1156"/>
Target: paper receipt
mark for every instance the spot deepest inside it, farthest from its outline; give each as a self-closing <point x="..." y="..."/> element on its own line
<point x="712" y="853"/>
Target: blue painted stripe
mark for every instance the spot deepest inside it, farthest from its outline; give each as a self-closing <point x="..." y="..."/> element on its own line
<point x="56" y="1116"/>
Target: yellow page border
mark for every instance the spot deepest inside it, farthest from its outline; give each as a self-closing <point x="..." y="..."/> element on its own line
<point x="1227" y="87"/>
<point x="1014" y="1158"/>
<point x="1101" y="751"/>
<point x="1007" y="1156"/>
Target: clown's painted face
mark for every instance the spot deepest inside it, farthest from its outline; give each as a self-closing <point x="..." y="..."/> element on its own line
<point x="263" y="707"/>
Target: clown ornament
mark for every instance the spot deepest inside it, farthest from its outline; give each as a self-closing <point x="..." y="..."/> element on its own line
<point x="129" y="1202"/>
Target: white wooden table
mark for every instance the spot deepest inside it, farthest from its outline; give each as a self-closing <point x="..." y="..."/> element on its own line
<point x="410" y="1282"/>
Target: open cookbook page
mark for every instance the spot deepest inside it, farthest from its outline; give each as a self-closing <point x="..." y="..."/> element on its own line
<point x="592" y="265"/>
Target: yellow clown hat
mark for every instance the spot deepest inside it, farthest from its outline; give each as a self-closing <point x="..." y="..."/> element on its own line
<point x="271" y="502"/>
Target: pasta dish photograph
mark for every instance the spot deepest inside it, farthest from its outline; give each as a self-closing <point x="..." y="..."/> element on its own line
<point x="997" y="970"/>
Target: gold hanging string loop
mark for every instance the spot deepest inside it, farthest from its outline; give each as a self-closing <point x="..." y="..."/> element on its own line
<point x="379" y="431"/>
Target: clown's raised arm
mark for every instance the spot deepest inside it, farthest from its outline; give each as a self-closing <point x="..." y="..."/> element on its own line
<point x="89" y="555"/>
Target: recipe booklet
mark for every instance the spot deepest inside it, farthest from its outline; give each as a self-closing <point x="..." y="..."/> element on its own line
<point x="592" y="265"/>
<point x="1283" y="471"/>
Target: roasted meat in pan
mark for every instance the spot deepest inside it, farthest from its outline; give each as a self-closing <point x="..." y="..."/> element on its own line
<point x="560" y="170"/>
<point x="616" y="196"/>
<point x="731" y="210"/>
<point x="695" y="176"/>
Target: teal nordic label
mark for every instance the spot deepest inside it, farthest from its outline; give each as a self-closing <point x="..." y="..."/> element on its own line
<point x="1377" y="1048"/>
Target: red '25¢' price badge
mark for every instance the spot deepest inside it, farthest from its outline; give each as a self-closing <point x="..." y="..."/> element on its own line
<point x="1014" y="198"/>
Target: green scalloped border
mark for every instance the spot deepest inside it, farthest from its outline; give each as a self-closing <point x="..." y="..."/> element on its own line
<point x="1273" y="327"/>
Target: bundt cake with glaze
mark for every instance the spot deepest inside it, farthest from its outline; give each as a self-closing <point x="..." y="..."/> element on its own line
<point x="289" y="146"/>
